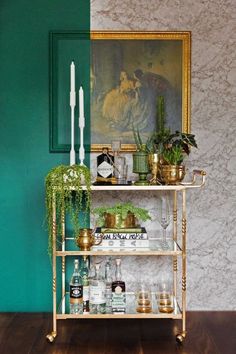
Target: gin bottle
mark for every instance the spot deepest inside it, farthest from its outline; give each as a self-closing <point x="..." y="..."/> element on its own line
<point x="85" y="282"/>
<point x="118" y="291"/>
<point x="105" y="164"/>
<point x="108" y="280"/>
<point x="97" y="292"/>
<point x="76" y="291"/>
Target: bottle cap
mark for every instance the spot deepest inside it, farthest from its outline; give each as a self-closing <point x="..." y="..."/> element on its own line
<point x="105" y="150"/>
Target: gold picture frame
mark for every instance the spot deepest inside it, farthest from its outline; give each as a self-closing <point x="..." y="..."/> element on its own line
<point x="159" y="58"/>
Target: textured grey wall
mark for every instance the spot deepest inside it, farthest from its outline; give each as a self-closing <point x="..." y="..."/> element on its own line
<point x="211" y="282"/>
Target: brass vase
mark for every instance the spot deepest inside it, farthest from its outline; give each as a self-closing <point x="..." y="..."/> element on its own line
<point x="140" y="166"/>
<point x="154" y="165"/>
<point x="86" y="240"/>
<point x="172" y="174"/>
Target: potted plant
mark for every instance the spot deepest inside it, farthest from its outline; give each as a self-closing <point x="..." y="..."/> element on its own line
<point x="176" y="148"/>
<point x="153" y="147"/>
<point x="167" y="150"/>
<point x="64" y="188"/>
<point x="121" y="215"/>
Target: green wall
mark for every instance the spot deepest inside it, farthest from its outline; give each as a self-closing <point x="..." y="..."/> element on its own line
<point x="25" y="269"/>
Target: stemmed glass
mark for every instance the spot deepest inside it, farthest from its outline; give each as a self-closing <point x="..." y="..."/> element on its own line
<point x="164" y="216"/>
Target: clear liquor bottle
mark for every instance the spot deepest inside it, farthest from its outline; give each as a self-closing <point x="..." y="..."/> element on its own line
<point x="76" y="291"/>
<point x="118" y="291"/>
<point x="85" y="282"/>
<point x="108" y="281"/>
<point x="97" y="293"/>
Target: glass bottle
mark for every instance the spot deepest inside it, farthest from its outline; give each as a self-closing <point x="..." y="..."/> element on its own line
<point x="105" y="164"/>
<point x="85" y="282"/>
<point x="120" y="167"/>
<point x="108" y="280"/>
<point x="118" y="291"/>
<point x="97" y="292"/>
<point x="76" y="291"/>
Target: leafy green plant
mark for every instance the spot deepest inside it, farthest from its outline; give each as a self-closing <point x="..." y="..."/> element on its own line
<point x="182" y="140"/>
<point x="64" y="188"/>
<point x="177" y="146"/>
<point x="121" y="209"/>
<point x="170" y="146"/>
<point x="138" y="141"/>
<point x="173" y="155"/>
<point x="157" y="140"/>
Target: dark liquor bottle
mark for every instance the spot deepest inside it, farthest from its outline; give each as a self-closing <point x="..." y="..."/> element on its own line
<point x="105" y="163"/>
<point x="76" y="291"/>
<point x="118" y="291"/>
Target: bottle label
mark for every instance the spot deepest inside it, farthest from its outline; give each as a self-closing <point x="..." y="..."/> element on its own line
<point x="105" y="169"/>
<point x="118" y="300"/>
<point x="97" y="294"/>
<point x="76" y="294"/>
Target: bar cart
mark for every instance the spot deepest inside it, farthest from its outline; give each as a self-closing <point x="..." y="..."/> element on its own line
<point x="178" y="249"/>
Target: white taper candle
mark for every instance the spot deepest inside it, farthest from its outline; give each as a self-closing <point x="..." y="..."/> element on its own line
<point x="81" y="102"/>
<point x="81" y="125"/>
<point x="72" y="76"/>
<point x="72" y="106"/>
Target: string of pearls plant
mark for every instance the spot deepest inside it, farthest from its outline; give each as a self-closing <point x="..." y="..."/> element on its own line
<point x="64" y="187"/>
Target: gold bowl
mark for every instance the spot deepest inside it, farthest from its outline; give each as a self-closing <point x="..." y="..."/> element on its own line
<point x="172" y="174"/>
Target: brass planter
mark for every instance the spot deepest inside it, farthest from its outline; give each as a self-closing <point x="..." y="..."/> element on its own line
<point x="172" y="174"/>
<point x="112" y="221"/>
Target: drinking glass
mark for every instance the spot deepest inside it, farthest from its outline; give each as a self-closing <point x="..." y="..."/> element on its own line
<point x="144" y="299"/>
<point x="164" y="296"/>
<point x="164" y="216"/>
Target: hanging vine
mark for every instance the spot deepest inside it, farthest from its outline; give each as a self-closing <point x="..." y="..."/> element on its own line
<point x="65" y="184"/>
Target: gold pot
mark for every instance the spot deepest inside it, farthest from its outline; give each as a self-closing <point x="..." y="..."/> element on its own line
<point x="172" y="174"/>
<point x="112" y="221"/>
<point x="86" y="240"/>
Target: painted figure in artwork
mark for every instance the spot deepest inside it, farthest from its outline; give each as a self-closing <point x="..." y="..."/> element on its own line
<point x="126" y="79"/>
<point x="133" y="101"/>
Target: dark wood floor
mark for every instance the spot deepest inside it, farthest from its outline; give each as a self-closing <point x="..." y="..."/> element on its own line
<point x="208" y="333"/>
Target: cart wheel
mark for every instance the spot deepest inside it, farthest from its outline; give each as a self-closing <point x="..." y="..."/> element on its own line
<point x="180" y="338"/>
<point x="51" y="336"/>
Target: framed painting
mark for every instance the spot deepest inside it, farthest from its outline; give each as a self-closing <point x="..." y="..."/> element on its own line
<point x="127" y="72"/>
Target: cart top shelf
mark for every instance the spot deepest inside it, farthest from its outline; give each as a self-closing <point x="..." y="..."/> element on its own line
<point x="198" y="180"/>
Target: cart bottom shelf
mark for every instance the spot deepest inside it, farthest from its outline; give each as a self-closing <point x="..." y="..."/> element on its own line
<point x="63" y="311"/>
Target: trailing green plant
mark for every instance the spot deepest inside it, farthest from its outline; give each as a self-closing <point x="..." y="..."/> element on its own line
<point x="121" y="209"/>
<point x="64" y="189"/>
